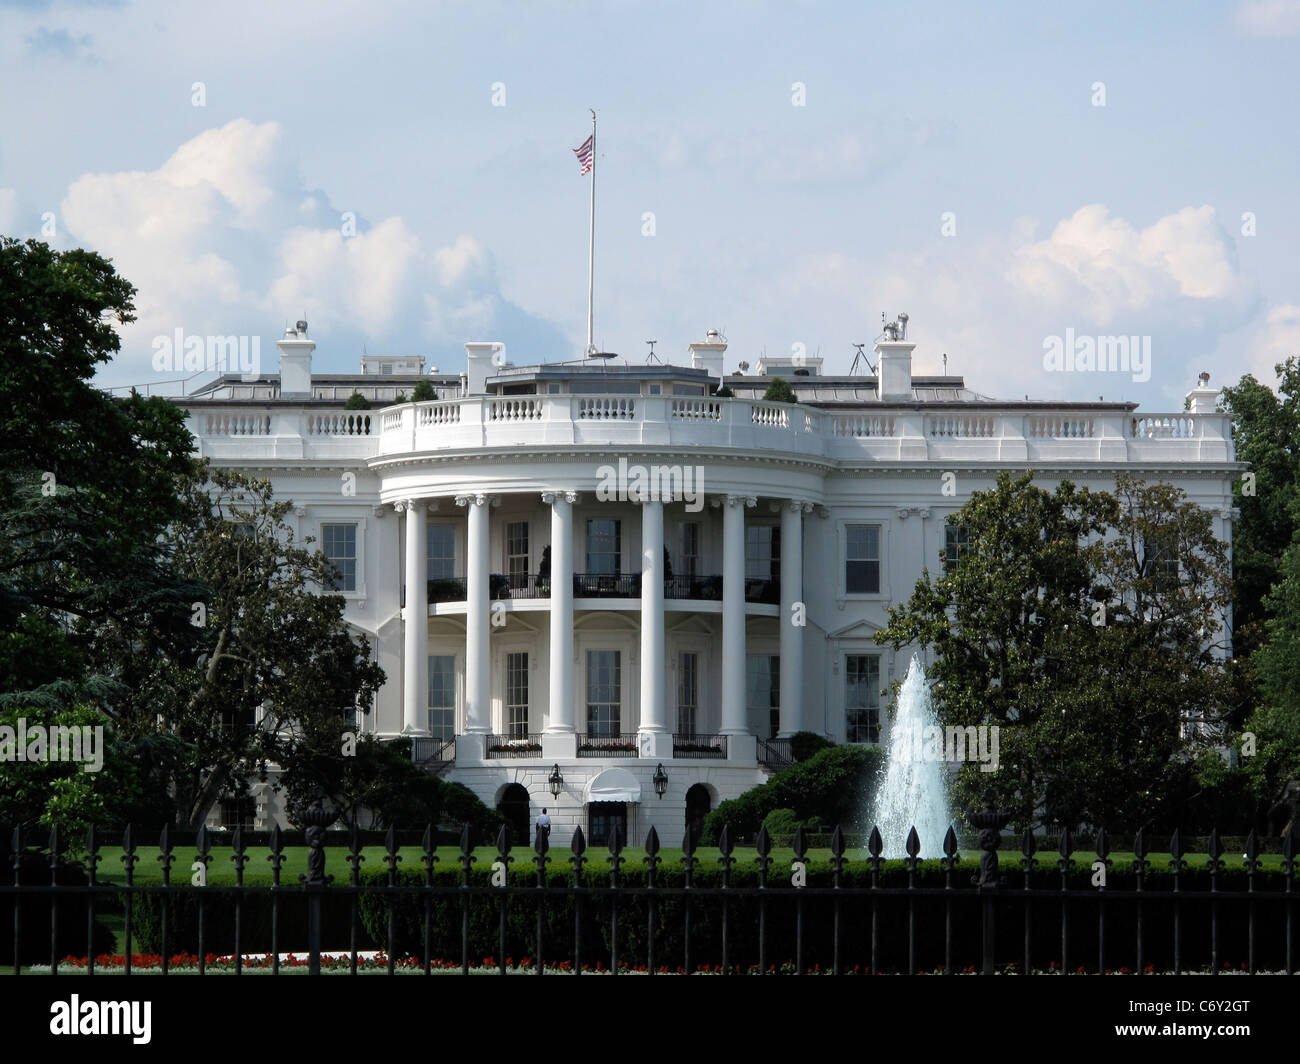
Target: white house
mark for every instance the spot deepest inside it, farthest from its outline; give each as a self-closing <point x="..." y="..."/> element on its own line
<point x="582" y="576"/>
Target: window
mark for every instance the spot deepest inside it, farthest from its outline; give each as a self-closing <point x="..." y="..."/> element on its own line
<point x="442" y="551"/>
<point x="442" y="696"/>
<point x="517" y="695"/>
<point x="604" y="547"/>
<point x="763" y="693"/>
<point x="1159" y="564"/>
<point x="862" y="560"/>
<point x="517" y="553"/>
<point x="688" y="693"/>
<point x="386" y="368"/>
<point x="955" y="543"/>
<point x="762" y="552"/>
<point x="603" y="819"/>
<point x="862" y="698"/>
<point x="690" y="550"/>
<point x="339" y="542"/>
<point x="603" y="692"/>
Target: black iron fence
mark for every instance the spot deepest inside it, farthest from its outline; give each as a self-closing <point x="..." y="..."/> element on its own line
<point x="514" y="745"/>
<point x="698" y="747"/>
<point x="731" y="914"/>
<point x="607" y="744"/>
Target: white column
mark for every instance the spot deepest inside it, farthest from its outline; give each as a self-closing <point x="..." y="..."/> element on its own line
<point x="733" y="613"/>
<point x="792" y="690"/>
<point x="478" y="689"/>
<point x="654" y="712"/>
<point x="415" y="656"/>
<point x="561" y="679"/>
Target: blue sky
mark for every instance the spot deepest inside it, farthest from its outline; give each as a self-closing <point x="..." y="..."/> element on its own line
<point x="779" y="224"/>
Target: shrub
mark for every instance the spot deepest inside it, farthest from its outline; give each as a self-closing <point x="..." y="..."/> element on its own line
<point x="779" y="391"/>
<point x="782" y="822"/>
<point x="34" y="922"/>
<point x="805" y="744"/>
<point x="424" y="392"/>
<point x="827" y="788"/>
<point x="357" y="401"/>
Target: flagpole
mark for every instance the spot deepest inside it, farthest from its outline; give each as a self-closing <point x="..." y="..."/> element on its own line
<point x="591" y="245"/>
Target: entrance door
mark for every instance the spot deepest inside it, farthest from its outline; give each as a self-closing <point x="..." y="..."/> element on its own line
<point x="603" y="819"/>
<point x="514" y="807"/>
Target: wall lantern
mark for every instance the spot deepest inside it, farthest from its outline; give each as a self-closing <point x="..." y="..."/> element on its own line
<point x="556" y="781"/>
<point x="660" y="780"/>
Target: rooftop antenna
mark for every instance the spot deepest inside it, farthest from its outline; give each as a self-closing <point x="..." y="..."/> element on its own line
<point x="861" y="358"/>
<point x="652" y="357"/>
<point x="945" y="363"/>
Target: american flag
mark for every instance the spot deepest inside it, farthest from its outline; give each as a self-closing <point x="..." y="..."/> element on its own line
<point x="584" y="155"/>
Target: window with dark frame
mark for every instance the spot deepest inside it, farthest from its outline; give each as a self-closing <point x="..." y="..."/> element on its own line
<point x="339" y="544"/>
<point x="517" y="553"/>
<point x="862" y="698"/>
<point x="517" y="695"/>
<point x="442" y="696"/>
<point x="604" y="692"/>
<point x="862" y="560"/>
<point x="441" y="552"/>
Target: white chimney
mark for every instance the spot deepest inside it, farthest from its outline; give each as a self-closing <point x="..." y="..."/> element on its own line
<point x="708" y="355"/>
<point x="894" y="369"/>
<point x="295" y="362"/>
<point x="481" y="360"/>
<point x="1202" y="399"/>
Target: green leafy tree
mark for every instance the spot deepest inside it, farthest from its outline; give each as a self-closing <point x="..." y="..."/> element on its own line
<point x="1275" y="724"/>
<point x="1081" y="624"/>
<point x="1266" y="434"/>
<point x="779" y="391"/>
<point x="424" y="391"/>
<point x="274" y="668"/>
<point x="87" y="484"/>
<point x="357" y="401"/>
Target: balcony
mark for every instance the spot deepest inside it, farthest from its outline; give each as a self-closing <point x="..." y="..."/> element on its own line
<point x="601" y="744"/>
<point x="1113" y="433"/>
<point x="699" y="747"/>
<point x="693" y="587"/>
<point x="515" y="745"/>
<point x="606" y="585"/>
<point x="765" y="591"/>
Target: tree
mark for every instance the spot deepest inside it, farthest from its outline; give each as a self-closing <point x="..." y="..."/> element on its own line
<point x="779" y="391"/>
<point x="274" y="667"/>
<point x="357" y="401"/>
<point x="1265" y="433"/>
<point x="1065" y="624"/>
<point x="424" y="391"/>
<point x="1275" y="724"/>
<point x="87" y="484"/>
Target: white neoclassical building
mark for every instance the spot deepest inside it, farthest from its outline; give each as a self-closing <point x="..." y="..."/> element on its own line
<point x="579" y="577"/>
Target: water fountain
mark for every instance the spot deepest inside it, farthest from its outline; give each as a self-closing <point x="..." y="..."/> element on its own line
<point x="913" y="791"/>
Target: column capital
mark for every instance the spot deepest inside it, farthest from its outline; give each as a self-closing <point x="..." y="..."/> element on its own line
<point x="822" y="511"/>
<point x="904" y="512"/>
<point x="797" y="506"/>
<point x="748" y="501"/>
<point x="478" y="499"/>
<point x="551" y="497"/>
<point x="399" y="507"/>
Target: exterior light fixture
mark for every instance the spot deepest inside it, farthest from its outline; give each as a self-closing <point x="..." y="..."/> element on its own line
<point x="556" y="781"/>
<point x="660" y="780"/>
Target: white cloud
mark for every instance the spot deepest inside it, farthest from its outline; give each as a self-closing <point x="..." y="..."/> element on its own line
<point x="1275" y="340"/>
<point x="1106" y="266"/>
<point x="1269" y="18"/>
<point x="225" y="238"/>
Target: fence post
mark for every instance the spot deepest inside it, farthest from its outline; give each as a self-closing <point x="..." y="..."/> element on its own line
<point x="989" y="823"/>
<point x="315" y="820"/>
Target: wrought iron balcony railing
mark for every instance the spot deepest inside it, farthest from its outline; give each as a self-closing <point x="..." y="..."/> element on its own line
<point x="693" y="587"/>
<point x="515" y="745"/>
<point x="607" y="744"/>
<point x="607" y="585"/>
<point x="699" y="747"/>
